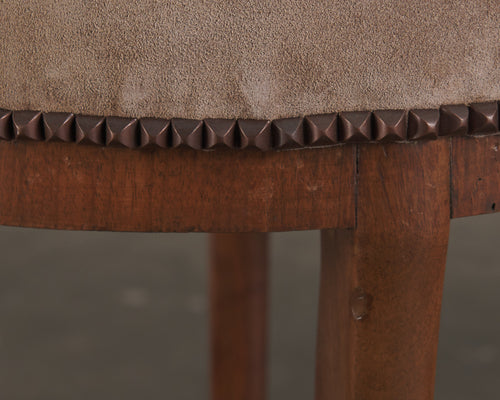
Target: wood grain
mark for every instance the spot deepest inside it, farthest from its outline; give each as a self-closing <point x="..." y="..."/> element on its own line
<point x="475" y="175"/>
<point x="68" y="186"/>
<point x="381" y="283"/>
<point x="239" y="316"/>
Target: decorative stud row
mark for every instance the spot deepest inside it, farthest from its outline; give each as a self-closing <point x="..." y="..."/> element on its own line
<point x="288" y="133"/>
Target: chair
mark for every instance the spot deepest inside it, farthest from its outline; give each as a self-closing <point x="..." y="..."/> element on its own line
<point x="374" y="121"/>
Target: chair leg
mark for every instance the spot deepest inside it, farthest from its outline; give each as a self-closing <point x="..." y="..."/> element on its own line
<point x="239" y="316"/>
<point x="381" y="283"/>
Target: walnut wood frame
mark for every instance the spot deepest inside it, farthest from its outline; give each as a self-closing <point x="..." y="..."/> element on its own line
<point x="384" y="210"/>
<point x="63" y="186"/>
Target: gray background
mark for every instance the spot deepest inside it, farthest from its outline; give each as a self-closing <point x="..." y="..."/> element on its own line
<point x="108" y="316"/>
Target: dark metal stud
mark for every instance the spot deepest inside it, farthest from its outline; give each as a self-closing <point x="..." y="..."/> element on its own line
<point x="189" y="131"/>
<point x="90" y="130"/>
<point x="221" y="132"/>
<point x="59" y="127"/>
<point x="122" y="132"/>
<point x="288" y="133"/>
<point x="155" y="131"/>
<point x="423" y="124"/>
<point x="255" y="133"/>
<point x="390" y="125"/>
<point x="27" y="125"/>
<point x="355" y="126"/>
<point x="454" y="120"/>
<point x="483" y="118"/>
<point x="5" y="125"/>
<point x="321" y="130"/>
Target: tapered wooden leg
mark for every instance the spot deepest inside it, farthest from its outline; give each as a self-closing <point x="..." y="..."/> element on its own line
<point x="381" y="283"/>
<point x="239" y="316"/>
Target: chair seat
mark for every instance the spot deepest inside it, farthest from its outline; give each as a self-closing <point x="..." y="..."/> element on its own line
<point x="246" y="59"/>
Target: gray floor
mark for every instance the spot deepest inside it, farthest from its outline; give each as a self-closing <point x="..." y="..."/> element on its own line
<point x="106" y="316"/>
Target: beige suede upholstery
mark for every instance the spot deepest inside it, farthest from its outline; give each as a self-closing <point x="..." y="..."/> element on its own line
<point x="246" y="58"/>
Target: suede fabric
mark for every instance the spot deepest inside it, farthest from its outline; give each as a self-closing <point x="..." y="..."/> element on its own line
<point x="246" y="58"/>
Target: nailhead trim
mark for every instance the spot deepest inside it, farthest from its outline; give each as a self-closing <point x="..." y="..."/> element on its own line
<point x="382" y="126"/>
